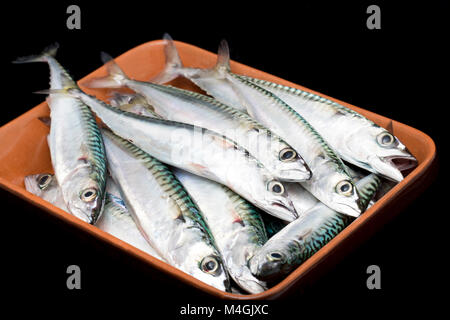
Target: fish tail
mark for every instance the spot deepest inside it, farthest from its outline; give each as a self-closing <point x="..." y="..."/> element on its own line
<point x="115" y="79"/>
<point x="49" y="51"/>
<point x="173" y="62"/>
<point x="223" y="56"/>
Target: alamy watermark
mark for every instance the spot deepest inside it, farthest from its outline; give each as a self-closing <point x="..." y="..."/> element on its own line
<point x="74" y="20"/>
<point x="374" y="280"/>
<point x="74" y="279"/>
<point x="374" y="20"/>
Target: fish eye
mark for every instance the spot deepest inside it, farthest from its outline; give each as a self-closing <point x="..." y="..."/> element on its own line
<point x="344" y="188"/>
<point x="209" y="265"/>
<point x="89" y="194"/>
<point x="385" y="139"/>
<point x="44" y="180"/>
<point x="275" y="256"/>
<point x="287" y="154"/>
<point x="275" y="187"/>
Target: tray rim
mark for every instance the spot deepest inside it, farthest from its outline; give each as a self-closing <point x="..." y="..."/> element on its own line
<point x="294" y="276"/>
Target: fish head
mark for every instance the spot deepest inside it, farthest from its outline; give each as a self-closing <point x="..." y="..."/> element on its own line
<point x="337" y="190"/>
<point x="40" y="184"/>
<point x="289" y="165"/>
<point x="46" y="186"/>
<point x="274" y="259"/>
<point x="383" y="152"/>
<point x="236" y="258"/>
<point x="210" y="269"/>
<point x="256" y="184"/>
<point x="249" y="283"/>
<point x="83" y="195"/>
<point x="273" y="198"/>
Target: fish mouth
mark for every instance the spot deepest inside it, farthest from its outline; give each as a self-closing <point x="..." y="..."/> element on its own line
<point x="350" y="210"/>
<point x="402" y="163"/>
<point x="294" y="175"/>
<point x="283" y="211"/>
<point x="268" y="271"/>
<point x="90" y="218"/>
<point x="250" y="285"/>
<point x="83" y="217"/>
<point x="390" y="167"/>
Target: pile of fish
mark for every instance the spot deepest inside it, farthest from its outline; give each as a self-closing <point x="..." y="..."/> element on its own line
<point x="236" y="187"/>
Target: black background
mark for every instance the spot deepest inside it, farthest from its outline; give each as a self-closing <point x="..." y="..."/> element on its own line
<point x="398" y="71"/>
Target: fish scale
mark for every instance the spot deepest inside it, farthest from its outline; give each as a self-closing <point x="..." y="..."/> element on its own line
<point x="194" y="108"/>
<point x="329" y="173"/>
<point x="170" y="184"/>
<point x="115" y="220"/>
<point x="75" y="143"/>
<point x="250" y="216"/>
<point x="204" y="152"/>
<point x="165" y="212"/>
<point x="332" y="105"/>
<point x="300" y="239"/>
<point x="308" y="129"/>
<point x="95" y="144"/>
<point x="236" y="225"/>
<point x="329" y="182"/>
<point x="355" y="138"/>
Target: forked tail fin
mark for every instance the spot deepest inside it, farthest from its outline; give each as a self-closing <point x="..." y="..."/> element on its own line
<point x="115" y="79"/>
<point x="49" y="51"/>
<point x="173" y="62"/>
<point x="223" y="56"/>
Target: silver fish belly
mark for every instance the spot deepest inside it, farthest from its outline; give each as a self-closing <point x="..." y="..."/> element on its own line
<point x="300" y="239"/>
<point x="235" y="224"/>
<point x="199" y="151"/>
<point x="197" y="109"/>
<point x="354" y="137"/>
<point x="115" y="220"/>
<point x="76" y="146"/>
<point x="330" y="182"/>
<point x="164" y="211"/>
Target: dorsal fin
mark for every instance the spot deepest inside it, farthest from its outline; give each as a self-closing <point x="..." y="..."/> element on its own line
<point x="223" y="56"/>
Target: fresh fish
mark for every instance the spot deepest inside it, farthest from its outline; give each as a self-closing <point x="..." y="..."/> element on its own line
<point x="197" y="109"/>
<point x="366" y="145"/>
<point x="46" y="187"/>
<point x="115" y="219"/>
<point x="301" y="198"/>
<point x="300" y="239"/>
<point x="354" y="137"/>
<point x="236" y="225"/>
<point x="330" y="182"/>
<point x="76" y="146"/>
<point x="211" y="80"/>
<point x="199" y="151"/>
<point x="132" y="102"/>
<point x="165" y="213"/>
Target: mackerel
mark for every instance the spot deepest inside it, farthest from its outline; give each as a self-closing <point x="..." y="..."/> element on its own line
<point x="164" y="211"/>
<point x="236" y="225"/>
<point x="197" y="109"/>
<point x="300" y="239"/>
<point x="330" y="182"/>
<point x="199" y="151"/>
<point x="355" y="138"/>
<point x="115" y="220"/>
<point x="76" y="145"/>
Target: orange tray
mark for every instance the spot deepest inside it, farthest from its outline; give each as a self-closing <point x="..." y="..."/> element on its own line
<point x="24" y="151"/>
